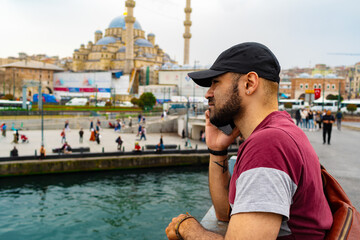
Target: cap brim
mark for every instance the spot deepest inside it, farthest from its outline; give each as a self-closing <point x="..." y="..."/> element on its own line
<point x="203" y="78"/>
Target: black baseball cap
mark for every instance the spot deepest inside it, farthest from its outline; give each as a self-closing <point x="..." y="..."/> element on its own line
<point x="241" y="58"/>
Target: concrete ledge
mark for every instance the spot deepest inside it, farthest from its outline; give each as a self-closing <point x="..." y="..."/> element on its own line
<point x="30" y="167"/>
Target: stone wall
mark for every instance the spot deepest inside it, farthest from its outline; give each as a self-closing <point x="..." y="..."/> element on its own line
<point x="31" y="167"/>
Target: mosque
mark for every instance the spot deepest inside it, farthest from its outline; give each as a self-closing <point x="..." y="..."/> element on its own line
<point x="123" y="47"/>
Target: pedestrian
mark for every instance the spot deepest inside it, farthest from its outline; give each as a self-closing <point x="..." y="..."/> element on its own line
<point x="275" y="190"/>
<point x="130" y="121"/>
<point x="14" y="152"/>
<point x="303" y="119"/>
<point x="42" y="152"/>
<point x="97" y="127"/>
<point x="298" y="117"/>
<point x="119" y="141"/>
<point x="81" y="134"/>
<point x="139" y="118"/>
<point x="161" y="140"/>
<point x="143" y="133"/>
<point x="97" y="137"/>
<point x="139" y="130"/>
<point x="3" y="129"/>
<point x="201" y="134"/>
<point x="318" y="119"/>
<point x="143" y="120"/>
<point x="137" y="147"/>
<point x="63" y="136"/>
<point x="98" y="122"/>
<point x="92" y="135"/>
<point x="91" y="125"/>
<point x="67" y="126"/>
<point x="15" y="140"/>
<point x="339" y="116"/>
<point x="311" y="121"/>
<point x="328" y="121"/>
<point x="17" y="135"/>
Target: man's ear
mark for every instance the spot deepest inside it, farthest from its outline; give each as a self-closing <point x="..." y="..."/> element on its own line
<point x="251" y="83"/>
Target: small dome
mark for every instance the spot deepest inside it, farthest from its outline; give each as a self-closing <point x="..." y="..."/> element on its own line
<point x="331" y="75"/>
<point x="119" y="22"/>
<point x="122" y="49"/>
<point x="104" y="47"/>
<point x="318" y="75"/>
<point x="151" y="35"/>
<point x="106" y="41"/>
<point x="76" y="50"/>
<point x="304" y="75"/>
<point x="98" y="31"/>
<point x="143" y="43"/>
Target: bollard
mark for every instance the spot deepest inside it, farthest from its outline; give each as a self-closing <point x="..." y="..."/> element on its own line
<point x="196" y="147"/>
<point x="103" y="150"/>
<point x="142" y="148"/>
<point x="35" y="153"/>
<point x="123" y="149"/>
<point x="179" y="147"/>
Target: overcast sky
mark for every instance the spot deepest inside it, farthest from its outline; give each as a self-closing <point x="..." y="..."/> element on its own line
<point x="300" y="32"/>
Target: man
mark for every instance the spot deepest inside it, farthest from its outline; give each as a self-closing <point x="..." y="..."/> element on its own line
<point x="14" y="152"/>
<point x="339" y="116"/>
<point x="276" y="189"/>
<point x="328" y="121"/>
<point x="81" y="135"/>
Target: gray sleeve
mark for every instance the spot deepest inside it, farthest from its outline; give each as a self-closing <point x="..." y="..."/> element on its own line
<point x="264" y="190"/>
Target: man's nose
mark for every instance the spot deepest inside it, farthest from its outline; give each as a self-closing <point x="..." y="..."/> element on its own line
<point x="209" y="93"/>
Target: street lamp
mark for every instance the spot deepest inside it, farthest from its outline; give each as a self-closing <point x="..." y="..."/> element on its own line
<point x="14" y="69"/>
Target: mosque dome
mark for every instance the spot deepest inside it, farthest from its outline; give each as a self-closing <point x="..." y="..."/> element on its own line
<point x="98" y="31"/>
<point x="143" y="43"/>
<point x="106" y="41"/>
<point x="151" y="35"/>
<point x="119" y="22"/>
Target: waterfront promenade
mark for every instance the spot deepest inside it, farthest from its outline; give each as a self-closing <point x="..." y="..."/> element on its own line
<point x="341" y="158"/>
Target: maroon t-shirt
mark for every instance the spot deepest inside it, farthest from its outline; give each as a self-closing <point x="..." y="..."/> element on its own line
<point x="278" y="171"/>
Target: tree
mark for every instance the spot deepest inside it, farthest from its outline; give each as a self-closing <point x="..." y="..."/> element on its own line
<point x="147" y="100"/>
<point x="351" y="108"/>
<point x="334" y="97"/>
<point x="135" y="101"/>
<point x="288" y="105"/>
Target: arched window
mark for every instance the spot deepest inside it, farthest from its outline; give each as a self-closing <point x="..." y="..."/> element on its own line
<point x="301" y="86"/>
<point x="306" y="86"/>
<point x="315" y="86"/>
<point x="333" y="86"/>
<point x="328" y="86"/>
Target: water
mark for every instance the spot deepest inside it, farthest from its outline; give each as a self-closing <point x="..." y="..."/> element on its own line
<point x="135" y="204"/>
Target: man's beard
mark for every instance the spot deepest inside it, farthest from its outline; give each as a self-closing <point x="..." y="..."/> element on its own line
<point x="230" y="109"/>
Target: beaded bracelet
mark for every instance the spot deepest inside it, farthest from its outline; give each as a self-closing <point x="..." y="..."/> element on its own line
<point x="178" y="225"/>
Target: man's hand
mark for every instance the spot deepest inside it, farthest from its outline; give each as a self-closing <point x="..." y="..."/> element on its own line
<point x="170" y="230"/>
<point x="215" y="139"/>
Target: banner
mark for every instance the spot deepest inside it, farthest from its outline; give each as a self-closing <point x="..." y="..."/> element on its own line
<point x="317" y="92"/>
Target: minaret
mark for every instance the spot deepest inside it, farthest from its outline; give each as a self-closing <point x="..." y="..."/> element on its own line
<point x="129" y="40"/>
<point x="187" y="34"/>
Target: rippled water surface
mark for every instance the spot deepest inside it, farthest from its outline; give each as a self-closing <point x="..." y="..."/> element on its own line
<point x="136" y="204"/>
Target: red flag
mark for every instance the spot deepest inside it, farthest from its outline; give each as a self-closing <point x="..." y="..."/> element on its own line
<point x="317" y="92"/>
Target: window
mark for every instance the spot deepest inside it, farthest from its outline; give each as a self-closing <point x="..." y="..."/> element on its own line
<point x="306" y="86"/>
<point x="320" y="86"/>
<point x="315" y="86"/>
<point x="301" y="86"/>
<point x="328" y="86"/>
<point x="333" y="86"/>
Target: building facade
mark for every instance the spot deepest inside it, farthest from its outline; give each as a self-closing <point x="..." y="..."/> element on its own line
<point x="18" y="72"/>
<point x="305" y="84"/>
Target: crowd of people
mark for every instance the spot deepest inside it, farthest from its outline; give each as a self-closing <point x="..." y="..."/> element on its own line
<point x="309" y="120"/>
